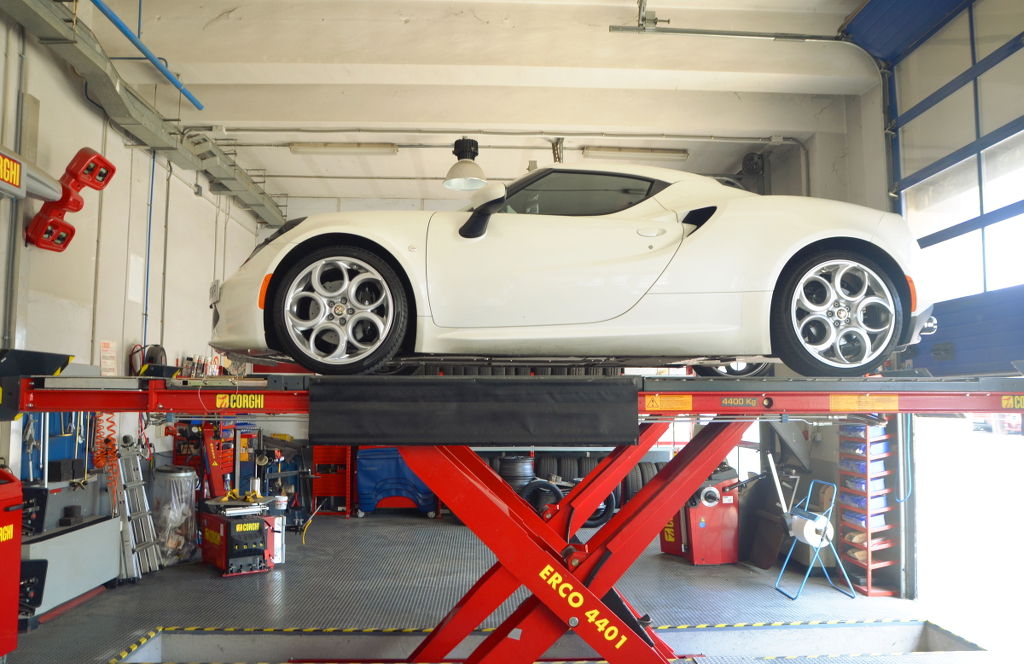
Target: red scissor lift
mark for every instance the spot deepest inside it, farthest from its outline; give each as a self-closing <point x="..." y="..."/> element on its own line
<point x="572" y="583"/>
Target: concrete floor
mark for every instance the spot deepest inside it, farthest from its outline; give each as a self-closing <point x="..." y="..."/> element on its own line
<point x="403" y="571"/>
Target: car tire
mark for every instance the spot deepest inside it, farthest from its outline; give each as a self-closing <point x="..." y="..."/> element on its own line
<point x="734" y="370"/>
<point x="819" y="330"/>
<point x="603" y="513"/>
<point x="588" y="464"/>
<point x="647" y="471"/>
<point x="546" y="466"/>
<point x="309" y="319"/>
<point x="541" y="493"/>
<point x="568" y="468"/>
<point x="632" y="484"/>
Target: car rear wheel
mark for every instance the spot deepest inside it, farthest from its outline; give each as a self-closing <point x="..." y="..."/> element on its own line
<point x="340" y="310"/>
<point x="836" y="314"/>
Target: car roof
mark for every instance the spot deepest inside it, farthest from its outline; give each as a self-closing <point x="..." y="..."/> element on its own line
<point x="669" y="175"/>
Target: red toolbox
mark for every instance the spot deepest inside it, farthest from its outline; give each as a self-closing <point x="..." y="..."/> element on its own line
<point x="10" y="559"/>
<point x="333" y="479"/>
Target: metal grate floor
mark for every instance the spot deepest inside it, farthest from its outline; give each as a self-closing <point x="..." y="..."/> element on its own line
<point x="402" y="571"/>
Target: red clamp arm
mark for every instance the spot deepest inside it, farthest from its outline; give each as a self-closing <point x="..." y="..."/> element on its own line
<point x="48" y="229"/>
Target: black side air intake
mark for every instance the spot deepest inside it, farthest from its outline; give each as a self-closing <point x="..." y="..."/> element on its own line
<point x="699" y="216"/>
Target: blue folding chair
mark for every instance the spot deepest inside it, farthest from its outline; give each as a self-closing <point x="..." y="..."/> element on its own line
<point x="815" y="530"/>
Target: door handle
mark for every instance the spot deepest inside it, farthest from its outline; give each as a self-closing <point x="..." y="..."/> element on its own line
<point x="650" y="232"/>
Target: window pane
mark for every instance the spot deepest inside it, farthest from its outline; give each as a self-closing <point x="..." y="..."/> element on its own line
<point x="1003" y="244"/>
<point x="1004" y="173"/>
<point x="934" y="63"/>
<point x="577" y="194"/>
<point x="995" y="23"/>
<point x="944" y="199"/>
<point x="953" y="268"/>
<point x="938" y="131"/>
<point x="1001" y="93"/>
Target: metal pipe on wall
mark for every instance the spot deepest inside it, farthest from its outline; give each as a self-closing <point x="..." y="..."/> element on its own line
<point x="93" y="341"/>
<point x="12" y="72"/>
<point x="167" y="232"/>
<point x="149" y="244"/>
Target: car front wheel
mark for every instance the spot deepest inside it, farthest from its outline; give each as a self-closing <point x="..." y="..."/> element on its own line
<point x="836" y="314"/>
<point x="340" y="310"/>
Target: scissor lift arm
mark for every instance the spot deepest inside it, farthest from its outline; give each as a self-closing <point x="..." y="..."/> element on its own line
<point x="572" y="583"/>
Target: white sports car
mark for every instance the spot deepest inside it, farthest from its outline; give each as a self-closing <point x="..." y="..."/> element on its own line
<point x="584" y="261"/>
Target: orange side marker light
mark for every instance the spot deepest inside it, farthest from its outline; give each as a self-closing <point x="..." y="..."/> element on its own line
<point x="266" y="284"/>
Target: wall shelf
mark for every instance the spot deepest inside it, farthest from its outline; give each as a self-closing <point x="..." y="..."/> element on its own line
<point x="866" y="505"/>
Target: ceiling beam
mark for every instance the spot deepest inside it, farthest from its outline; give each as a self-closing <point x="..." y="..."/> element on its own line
<point x="54" y="26"/>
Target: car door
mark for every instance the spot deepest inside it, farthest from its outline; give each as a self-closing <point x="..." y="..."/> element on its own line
<point x="568" y="248"/>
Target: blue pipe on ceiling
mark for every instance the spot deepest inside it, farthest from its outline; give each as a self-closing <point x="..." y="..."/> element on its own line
<point x="127" y="32"/>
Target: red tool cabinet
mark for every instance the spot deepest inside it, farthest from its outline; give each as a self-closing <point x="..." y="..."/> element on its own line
<point x="10" y="559"/>
<point x="333" y="479"/>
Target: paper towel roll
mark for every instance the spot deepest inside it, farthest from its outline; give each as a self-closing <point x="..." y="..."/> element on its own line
<point x="814" y="532"/>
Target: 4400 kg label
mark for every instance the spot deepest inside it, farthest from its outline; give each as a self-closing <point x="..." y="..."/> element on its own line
<point x="576" y="600"/>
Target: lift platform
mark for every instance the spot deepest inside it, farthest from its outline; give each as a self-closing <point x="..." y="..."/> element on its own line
<point x="433" y="420"/>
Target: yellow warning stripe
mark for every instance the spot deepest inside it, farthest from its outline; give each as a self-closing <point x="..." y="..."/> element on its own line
<point x="308" y="630"/>
<point x="789" y="623"/>
<point x="121" y="656"/>
<point x="851" y="654"/>
<point x="427" y="630"/>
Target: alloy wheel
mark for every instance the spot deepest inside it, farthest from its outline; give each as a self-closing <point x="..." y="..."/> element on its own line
<point x="338" y="310"/>
<point x="843" y="313"/>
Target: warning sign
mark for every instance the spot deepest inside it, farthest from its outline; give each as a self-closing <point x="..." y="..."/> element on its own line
<point x="863" y="403"/>
<point x="668" y="402"/>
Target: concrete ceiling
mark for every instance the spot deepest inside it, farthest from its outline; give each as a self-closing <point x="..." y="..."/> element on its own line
<point x="515" y="75"/>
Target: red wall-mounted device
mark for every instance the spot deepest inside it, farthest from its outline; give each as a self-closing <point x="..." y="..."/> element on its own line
<point x="48" y="229"/>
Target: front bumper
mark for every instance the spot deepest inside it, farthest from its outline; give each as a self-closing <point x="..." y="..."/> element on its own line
<point x="238" y="320"/>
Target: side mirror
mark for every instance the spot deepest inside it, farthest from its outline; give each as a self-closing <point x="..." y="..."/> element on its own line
<point x="486" y="202"/>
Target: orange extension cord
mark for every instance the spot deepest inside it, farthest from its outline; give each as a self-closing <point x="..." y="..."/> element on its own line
<point x="104" y="455"/>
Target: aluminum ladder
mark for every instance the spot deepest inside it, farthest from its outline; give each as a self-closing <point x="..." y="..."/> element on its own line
<point x="139" y="551"/>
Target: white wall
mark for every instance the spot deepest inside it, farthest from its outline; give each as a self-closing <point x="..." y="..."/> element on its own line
<point x="303" y="207"/>
<point x="96" y="290"/>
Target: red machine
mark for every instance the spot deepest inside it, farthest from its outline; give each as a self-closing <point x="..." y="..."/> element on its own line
<point x="238" y="544"/>
<point x="209" y="450"/>
<point x="10" y="559"/>
<point x="706" y="530"/>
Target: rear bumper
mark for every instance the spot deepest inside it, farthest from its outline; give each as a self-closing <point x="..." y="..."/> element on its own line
<point x="921" y="324"/>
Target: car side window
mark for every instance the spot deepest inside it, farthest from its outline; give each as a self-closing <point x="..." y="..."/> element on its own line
<point x="578" y="194"/>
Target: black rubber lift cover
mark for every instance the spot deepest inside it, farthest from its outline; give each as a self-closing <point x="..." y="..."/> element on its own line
<point x="463" y="410"/>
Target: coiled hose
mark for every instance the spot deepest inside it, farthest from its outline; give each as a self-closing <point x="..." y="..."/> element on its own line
<point x="105" y="455"/>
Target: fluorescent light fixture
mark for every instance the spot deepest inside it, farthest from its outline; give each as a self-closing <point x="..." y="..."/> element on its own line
<point x="465" y="174"/>
<point x="615" y="152"/>
<point x="343" y="148"/>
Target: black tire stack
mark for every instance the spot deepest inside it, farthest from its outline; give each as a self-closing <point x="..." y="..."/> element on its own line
<point x="570" y="467"/>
